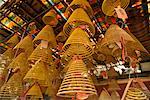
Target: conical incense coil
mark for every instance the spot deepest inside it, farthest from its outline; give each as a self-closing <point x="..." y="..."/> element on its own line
<point x="9" y="54"/>
<point x="13" y="41"/>
<point x="108" y="6"/>
<point x="45" y="54"/>
<point x="75" y="4"/>
<point x="24" y="45"/>
<point x="76" y="81"/>
<point x="113" y="85"/>
<point x="135" y="94"/>
<point x="110" y="59"/>
<point x="74" y="21"/>
<point x="12" y="89"/>
<point x="104" y="95"/>
<point x="61" y="37"/>
<point x="34" y="92"/>
<point x="46" y="34"/>
<point x="115" y="95"/>
<point x="37" y="73"/>
<point x="115" y="34"/>
<point x="20" y="63"/>
<point x="78" y="39"/>
<point x="50" y="18"/>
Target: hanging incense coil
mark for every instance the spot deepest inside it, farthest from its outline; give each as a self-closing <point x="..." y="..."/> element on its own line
<point x="112" y="74"/>
<point x="24" y="45"/>
<point x="75" y="4"/>
<point x="115" y="95"/>
<point x="61" y="37"/>
<point x="113" y="85"/>
<point x="104" y="95"/>
<point x="45" y="54"/>
<point x="46" y="34"/>
<point x="135" y="94"/>
<point x="34" y="93"/>
<point x="12" y="89"/>
<point x="13" y="41"/>
<point x="108" y="6"/>
<point x="37" y="73"/>
<point x="74" y="21"/>
<point x="76" y="81"/>
<point x="114" y="34"/>
<point x="50" y="18"/>
<point x="78" y="39"/>
<point x="9" y="54"/>
<point x="20" y="62"/>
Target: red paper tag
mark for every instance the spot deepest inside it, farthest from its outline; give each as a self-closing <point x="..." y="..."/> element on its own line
<point x="44" y="44"/>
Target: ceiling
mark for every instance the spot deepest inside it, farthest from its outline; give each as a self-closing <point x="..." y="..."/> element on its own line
<point x="33" y="10"/>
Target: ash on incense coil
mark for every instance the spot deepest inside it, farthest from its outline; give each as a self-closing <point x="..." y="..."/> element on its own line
<point x="46" y="34"/>
<point x="108" y="6"/>
<point x="78" y="39"/>
<point x="50" y="18"/>
<point x="45" y="54"/>
<point x="34" y="93"/>
<point x="135" y="94"/>
<point x="24" y="45"/>
<point x="20" y="62"/>
<point x="13" y="41"/>
<point x="75" y="4"/>
<point x="75" y="21"/>
<point x="76" y="81"/>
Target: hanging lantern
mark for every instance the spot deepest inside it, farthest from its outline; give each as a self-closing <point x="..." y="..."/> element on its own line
<point x="34" y="93"/>
<point x="12" y="89"/>
<point x="50" y="18"/>
<point x="104" y="95"/>
<point x="75" y="82"/>
<point x="75" y="4"/>
<point x="45" y="54"/>
<point x="135" y="94"/>
<point x="13" y="41"/>
<point x="37" y="73"/>
<point x="108" y="6"/>
<point x="75" y="21"/>
<point x="61" y="37"/>
<point x="24" y="45"/>
<point x="78" y="44"/>
<point x="20" y="63"/>
<point x="46" y="34"/>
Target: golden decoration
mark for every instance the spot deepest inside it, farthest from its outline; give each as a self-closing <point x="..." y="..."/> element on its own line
<point x="76" y="80"/>
<point x="75" y="21"/>
<point x="46" y="34"/>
